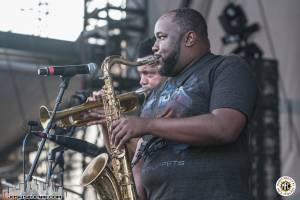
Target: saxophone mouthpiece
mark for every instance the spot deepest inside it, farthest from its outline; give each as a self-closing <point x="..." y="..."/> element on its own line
<point x="157" y="56"/>
<point x="141" y="90"/>
<point x="152" y="59"/>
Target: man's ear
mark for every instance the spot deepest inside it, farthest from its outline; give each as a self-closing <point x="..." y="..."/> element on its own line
<point x="190" y="38"/>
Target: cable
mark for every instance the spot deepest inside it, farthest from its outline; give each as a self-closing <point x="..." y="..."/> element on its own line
<point x="23" y="151"/>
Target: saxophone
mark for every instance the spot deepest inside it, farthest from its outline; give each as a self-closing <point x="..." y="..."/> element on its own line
<point x="112" y="181"/>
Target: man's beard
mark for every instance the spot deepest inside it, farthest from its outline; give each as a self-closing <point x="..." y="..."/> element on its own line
<point x="169" y="63"/>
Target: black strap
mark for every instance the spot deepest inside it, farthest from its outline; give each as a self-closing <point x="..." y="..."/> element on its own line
<point x="148" y="147"/>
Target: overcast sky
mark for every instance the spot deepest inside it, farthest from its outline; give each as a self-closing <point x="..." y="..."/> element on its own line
<point x="60" y="19"/>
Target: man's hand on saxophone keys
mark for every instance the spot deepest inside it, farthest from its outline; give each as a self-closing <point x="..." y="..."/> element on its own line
<point x="126" y="128"/>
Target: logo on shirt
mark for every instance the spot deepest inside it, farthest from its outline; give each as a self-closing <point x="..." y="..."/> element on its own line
<point x="285" y="186"/>
<point x="164" y="165"/>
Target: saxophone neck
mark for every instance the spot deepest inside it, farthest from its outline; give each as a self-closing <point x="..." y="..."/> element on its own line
<point x="111" y="60"/>
<point x="140" y="91"/>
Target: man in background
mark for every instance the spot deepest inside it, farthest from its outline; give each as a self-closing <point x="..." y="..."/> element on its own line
<point x="149" y="75"/>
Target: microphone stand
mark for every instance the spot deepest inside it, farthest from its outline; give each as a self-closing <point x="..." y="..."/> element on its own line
<point x="30" y="124"/>
<point x="62" y="88"/>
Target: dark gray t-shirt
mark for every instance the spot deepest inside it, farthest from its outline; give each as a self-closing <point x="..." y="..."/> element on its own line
<point x="173" y="170"/>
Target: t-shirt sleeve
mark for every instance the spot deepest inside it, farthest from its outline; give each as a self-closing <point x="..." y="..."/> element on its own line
<point x="233" y="86"/>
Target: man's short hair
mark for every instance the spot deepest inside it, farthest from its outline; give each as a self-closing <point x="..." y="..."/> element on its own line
<point x="190" y="20"/>
<point x="145" y="47"/>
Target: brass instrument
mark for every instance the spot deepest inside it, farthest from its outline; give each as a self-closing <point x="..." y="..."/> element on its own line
<point x="115" y="182"/>
<point x="75" y="115"/>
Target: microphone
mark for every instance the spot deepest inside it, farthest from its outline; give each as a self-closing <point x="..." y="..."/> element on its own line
<point x="74" y="144"/>
<point x="78" y="145"/>
<point x="68" y="70"/>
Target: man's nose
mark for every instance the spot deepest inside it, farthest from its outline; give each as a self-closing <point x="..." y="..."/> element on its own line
<point x="143" y="81"/>
<point x="155" y="47"/>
